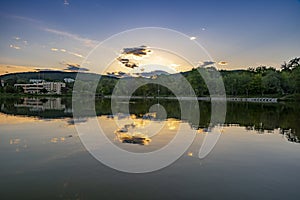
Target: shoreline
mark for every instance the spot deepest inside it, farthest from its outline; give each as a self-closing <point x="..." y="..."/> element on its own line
<point x="264" y="99"/>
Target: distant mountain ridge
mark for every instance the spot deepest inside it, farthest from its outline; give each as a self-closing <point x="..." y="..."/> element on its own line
<point x="46" y="75"/>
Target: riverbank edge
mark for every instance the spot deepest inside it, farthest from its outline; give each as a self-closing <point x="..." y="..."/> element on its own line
<point x="287" y="98"/>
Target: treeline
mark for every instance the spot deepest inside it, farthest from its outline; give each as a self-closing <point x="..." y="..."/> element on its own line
<point x="260" y="81"/>
<point x="264" y="80"/>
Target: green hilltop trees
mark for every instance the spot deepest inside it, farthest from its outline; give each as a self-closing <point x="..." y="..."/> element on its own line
<point x="260" y="81"/>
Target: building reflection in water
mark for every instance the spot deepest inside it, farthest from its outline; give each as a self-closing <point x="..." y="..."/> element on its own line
<point x="37" y="104"/>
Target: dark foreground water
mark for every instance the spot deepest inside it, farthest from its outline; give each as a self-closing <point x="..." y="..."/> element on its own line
<point x="42" y="157"/>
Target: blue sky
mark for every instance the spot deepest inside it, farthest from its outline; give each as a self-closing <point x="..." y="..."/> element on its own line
<point x="51" y="34"/>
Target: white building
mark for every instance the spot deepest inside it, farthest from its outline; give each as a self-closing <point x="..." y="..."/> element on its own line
<point x="68" y="80"/>
<point x="36" y="80"/>
<point x="37" y="86"/>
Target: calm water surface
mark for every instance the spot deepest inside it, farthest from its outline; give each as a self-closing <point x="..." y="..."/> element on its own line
<point x="257" y="155"/>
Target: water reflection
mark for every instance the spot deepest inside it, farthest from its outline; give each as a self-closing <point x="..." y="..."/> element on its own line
<point x="133" y="138"/>
<point x="253" y="116"/>
<point x="60" y="139"/>
<point x="40" y="149"/>
<point x="41" y="104"/>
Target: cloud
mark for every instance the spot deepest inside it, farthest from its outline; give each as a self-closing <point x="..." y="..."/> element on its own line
<point x="119" y="74"/>
<point x="75" y="54"/>
<point x="4" y="69"/>
<point x="223" y="63"/>
<point x="193" y="38"/>
<point x="18" y="43"/>
<point x="130" y="56"/>
<point x="127" y="63"/>
<point x="174" y="65"/>
<point x="137" y="51"/>
<point x="85" y="41"/>
<point x="14" y="47"/>
<point x="66" y="2"/>
<point x="152" y="74"/>
<point x="54" y="49"/>
<point x="28" y="19"/>
<point x="205" y="63"/>
<point x="69" y="52"/>
<point x="46" y="69"/>
<point x="75" y="67"/>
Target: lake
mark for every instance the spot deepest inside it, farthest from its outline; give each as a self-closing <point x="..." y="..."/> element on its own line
<point x="42" y="156"/>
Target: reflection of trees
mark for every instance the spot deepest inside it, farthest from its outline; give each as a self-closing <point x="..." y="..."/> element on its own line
<point x="253" y="116"/>
<point x="290" y="135"/>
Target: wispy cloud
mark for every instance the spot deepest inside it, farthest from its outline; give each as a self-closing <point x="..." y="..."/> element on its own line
<point x="5" y="69"/>
<point x="86" y="41"/>
<point x="14" y="47"/>
<point x="75" y="54"/>
<point x="65" y="51"/>
<point x="174" y="65"/>
<point x="28" y="19"/>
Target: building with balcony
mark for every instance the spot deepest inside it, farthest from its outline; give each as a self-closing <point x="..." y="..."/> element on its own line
<point x="37" y="87"/>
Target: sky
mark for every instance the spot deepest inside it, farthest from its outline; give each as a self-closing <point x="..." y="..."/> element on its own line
<point x="58" y="34"/>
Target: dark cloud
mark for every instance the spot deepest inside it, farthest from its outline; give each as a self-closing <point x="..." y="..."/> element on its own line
<point x="75" y="67"/>
<point x="46" y="70"/>
<point x="205" y="63"/>
<point x="152" y="74"/>
<point x="136" y="51"/>
<point x="118" y="74"/>
<point x="127" y="63"/>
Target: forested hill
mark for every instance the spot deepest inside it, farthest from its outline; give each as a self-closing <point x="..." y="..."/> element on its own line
<point x="24" y="77"/>
<point x="258" y="81"/>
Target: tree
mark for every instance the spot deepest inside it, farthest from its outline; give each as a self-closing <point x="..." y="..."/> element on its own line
<point x="255" y="86"/>
<point x="10" y="89"/>
<point x="296" y="79"/>
<point x="286" y="83"/>
<point x="285" y="67"/>
<point x="294" y="63"/>
<point x="271" y="83"/>
<point x="44" y="91"/>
